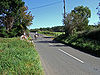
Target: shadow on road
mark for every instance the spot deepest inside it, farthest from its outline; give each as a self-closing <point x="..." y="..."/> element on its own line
<point x="58" y="45"/>
<point x="49" y="37"/>
<point x="47" y="41"/>
<point x="44" y="41"/>
<point x="53" y="43"/>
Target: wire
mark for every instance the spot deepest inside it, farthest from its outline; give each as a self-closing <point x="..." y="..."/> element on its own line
<point x="46" y="5"/>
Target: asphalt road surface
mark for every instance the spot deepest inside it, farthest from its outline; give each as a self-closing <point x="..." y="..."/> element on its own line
<point x="59" y="59"/>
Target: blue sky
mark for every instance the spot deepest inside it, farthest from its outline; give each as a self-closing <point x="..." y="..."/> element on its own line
<point x="50" y="16"/>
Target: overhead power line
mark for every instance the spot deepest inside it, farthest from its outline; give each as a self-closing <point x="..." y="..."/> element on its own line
<point x="46" y="5"/>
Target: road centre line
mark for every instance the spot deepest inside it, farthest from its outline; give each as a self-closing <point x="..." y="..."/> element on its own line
<point x="71" y="56"/>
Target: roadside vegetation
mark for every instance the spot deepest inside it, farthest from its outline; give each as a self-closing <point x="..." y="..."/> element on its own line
<point x="18" y="57"/>
<point x="49" y="33"/>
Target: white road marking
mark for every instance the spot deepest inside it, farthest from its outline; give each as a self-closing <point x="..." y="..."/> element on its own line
<point x="50" y="44"/>
<point x="71" y="56"/>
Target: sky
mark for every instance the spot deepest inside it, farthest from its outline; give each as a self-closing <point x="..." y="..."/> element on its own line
<point x="52" y="15"/>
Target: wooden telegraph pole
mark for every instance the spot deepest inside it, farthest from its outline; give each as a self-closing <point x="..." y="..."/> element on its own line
<point x="64" y="9"/>
<point x="64" y="16"/>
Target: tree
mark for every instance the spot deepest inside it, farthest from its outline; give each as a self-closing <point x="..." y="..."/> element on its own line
<point x="77" y="20"/>
<point x="8" y="10"/>
<point x="14" y="18"/>
<point x="23" y="19"/>
<point x="69" y="26"/>
<point x="83" y="13"/>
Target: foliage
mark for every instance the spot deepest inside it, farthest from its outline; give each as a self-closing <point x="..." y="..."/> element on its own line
<point x="58" y="29"/>
<point x="77" y="20"/>
<point x="25" y="17"/>
<point x="52" y="29"/>
<point x="14" y="18"/>
<point x="48" y="33"/>
<point x="18" y="58"/>
<point x="69" y="26"/>
<point x="94" y="34"/>
<point x="92" y="27"/>
<point x="8" y="11"/>
<point x="23" y="20"/>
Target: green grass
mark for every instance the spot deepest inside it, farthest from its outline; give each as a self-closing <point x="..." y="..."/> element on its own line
<point x="48" y="33"/>
<point x="19" y="57"/>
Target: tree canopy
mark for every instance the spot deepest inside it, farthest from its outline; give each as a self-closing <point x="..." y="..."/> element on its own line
<point x="77" y="19"/>
<point x="14" y="18"/>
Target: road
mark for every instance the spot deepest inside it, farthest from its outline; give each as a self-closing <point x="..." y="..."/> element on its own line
<point x="59" y="59"/>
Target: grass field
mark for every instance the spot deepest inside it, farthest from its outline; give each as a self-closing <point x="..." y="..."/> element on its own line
<point x="48" y="33"/>
<point x="19" y="57"/>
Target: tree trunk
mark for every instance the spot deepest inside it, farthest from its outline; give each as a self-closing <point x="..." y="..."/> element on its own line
<point x="9" y="23"/>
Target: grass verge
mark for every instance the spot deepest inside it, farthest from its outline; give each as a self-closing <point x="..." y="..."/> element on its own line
<point x="19" y="57"/>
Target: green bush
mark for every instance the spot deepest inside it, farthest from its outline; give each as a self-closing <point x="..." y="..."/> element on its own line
<point x="94" y="34"/>
<point x="18" y="58"/>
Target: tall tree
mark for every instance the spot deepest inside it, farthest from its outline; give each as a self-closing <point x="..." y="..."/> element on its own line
<point x="77" y="20"/>
<point x="23" y="19"/>
<point x="14" y="18"/>
<point x="8" y="11"/>
<point x="26" y="17"/>
<point x="82" y="13"/>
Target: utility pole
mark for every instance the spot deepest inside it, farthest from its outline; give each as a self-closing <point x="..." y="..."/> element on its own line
<point x="64" y="9"/>
<point x="64" y="16"/>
